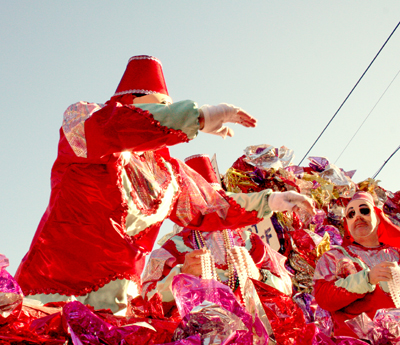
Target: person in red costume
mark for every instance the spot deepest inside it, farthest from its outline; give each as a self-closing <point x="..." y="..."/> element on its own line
<point x="113" y="184"/>
<point x="232" y="250"/>
<point x="182" y="252"/>
<point x="352" y="278"/>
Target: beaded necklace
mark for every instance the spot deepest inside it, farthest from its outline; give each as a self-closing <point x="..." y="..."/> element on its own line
<point x="237" y="258"/>
<point x="226" y="247"/>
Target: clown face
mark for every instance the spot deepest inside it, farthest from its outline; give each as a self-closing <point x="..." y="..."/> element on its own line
<point x="362" y="222"/>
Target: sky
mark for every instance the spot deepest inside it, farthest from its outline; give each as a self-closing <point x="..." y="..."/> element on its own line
<point x="288" y="63"/>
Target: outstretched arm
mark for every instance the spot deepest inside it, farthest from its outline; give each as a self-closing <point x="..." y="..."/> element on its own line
<point x="213" y="117"/>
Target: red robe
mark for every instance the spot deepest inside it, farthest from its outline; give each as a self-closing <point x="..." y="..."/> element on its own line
<point x="82" y="242"/>
<point x="341" y="284"/>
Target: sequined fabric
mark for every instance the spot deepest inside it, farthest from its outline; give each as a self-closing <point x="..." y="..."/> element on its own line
<point x="74" y="125"/>
<point x="336" y="263"/>
<point x="155" y="267"/>
<point x="149" y="179"/>
<point x="196" y="196"/>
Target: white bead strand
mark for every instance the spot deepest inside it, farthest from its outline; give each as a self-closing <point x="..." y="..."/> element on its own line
<point x="239" y="265"/>
<point x="394" y="285"/>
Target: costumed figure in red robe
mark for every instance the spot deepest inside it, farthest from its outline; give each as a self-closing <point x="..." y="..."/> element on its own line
<point x="183" y="251"/>
<point x="113" y="184"/>
<point x="352" y="278"/>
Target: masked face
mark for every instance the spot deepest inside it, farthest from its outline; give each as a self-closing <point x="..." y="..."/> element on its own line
<point x="153" y="98"/>
<point x="362" y="222"/>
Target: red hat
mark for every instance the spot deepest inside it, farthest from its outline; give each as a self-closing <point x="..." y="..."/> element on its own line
<point x="362" y="196"/>
<point x="388" y="233"/>
<point x="143" y="74"/>
<point x="202" y="165"/>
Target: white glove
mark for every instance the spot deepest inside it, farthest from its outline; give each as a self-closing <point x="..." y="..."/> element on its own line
<point x="216" y="115"/>
<point x="286" y="201"/>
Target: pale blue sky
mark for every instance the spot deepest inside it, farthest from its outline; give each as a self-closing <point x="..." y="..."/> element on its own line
<point x="288" y="63"/>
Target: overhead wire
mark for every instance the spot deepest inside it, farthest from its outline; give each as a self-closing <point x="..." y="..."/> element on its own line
<point x="387" y="160"/>
<point x="337" y="111"/>
<point x="368" y="115"/>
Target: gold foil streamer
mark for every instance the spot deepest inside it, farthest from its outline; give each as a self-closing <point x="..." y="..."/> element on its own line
<point x="324" y="245"/>
<point x="234" y="178"/>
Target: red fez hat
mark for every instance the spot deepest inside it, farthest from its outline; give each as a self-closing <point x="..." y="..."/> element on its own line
<point x="144" y="75"/>
<point x="363" y="196"/>
<point x="202" y="165"/>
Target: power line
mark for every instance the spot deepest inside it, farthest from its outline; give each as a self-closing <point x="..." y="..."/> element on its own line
<point x="377" y="173"/>
<point x="334" y="115"/>
<point x="368" y="115"/>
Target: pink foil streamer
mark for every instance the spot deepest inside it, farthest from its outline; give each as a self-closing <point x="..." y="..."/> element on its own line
<point x="206" y="307"/>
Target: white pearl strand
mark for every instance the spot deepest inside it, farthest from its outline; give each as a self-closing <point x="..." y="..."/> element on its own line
<point x="207" y="266"/>
<point x="394" y="285"/>
<point x="243" y="266"/>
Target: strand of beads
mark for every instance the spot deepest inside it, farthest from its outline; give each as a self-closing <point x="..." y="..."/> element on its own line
<point x="232" y="272"/>
<point x="394" y="286"/>
<point x="209" y="266"/>
<point x="237" y="258"/>
<point x="212" y="267"/>
<point x="206" y="271"/>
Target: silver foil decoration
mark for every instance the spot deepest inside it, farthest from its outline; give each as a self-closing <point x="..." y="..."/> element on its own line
<point x="267" y="156"/>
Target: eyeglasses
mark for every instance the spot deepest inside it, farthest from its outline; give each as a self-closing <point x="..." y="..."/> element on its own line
<point x="365" y="211"/>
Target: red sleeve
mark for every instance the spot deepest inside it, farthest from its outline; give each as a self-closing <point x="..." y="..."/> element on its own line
<point x="332" y="298"/>
<point x="197" y="205"/>
<point x="118" y="128"/>
<point x="237" y="217"/>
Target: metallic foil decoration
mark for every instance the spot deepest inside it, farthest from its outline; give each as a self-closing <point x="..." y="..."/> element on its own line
<point x="213" y="322"/>
<point x="267" y="156"/>
<point x="192" y="340"/>
<point x="11" y="295"/>
<point x="262" y="334"/>
<point x="238" y="182"/>
<point x="318" y="163"/>
<point x="345" y="186"/>
<point x="384" y="329"/>
<point x="194" y="295"/>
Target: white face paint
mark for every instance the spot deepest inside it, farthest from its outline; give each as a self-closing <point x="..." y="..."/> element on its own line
<point x="153" y="98"/>
<point x="362" y="222"/>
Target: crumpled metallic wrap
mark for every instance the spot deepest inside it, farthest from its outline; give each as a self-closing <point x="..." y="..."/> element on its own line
<point x="237" y="182"/>
<point x="384" y="329"/>
<point x="35" y="325"/>
<point x="286" y="318"/>
<point x="314" y="313"/>
<point x="304" y="272"/>
<point x="323" y="320"/>
<point x="318" y="164"/>
<point x="335" y="237"/>
<point x="215" y="324"/>
<point x="392" y="207"/>
<point x="307" y="248"/>
<point x="307" y="304"/>
<point x="345" y="186"/>
<point x="192" y="340"/>
<point x="87" y="328"/>
<point x="191" y="292"/>
<point x="11" y="295"/>
<point x="265" y="334"/>
<point x="349" y="341"/>
<point x="267" y="156"/>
